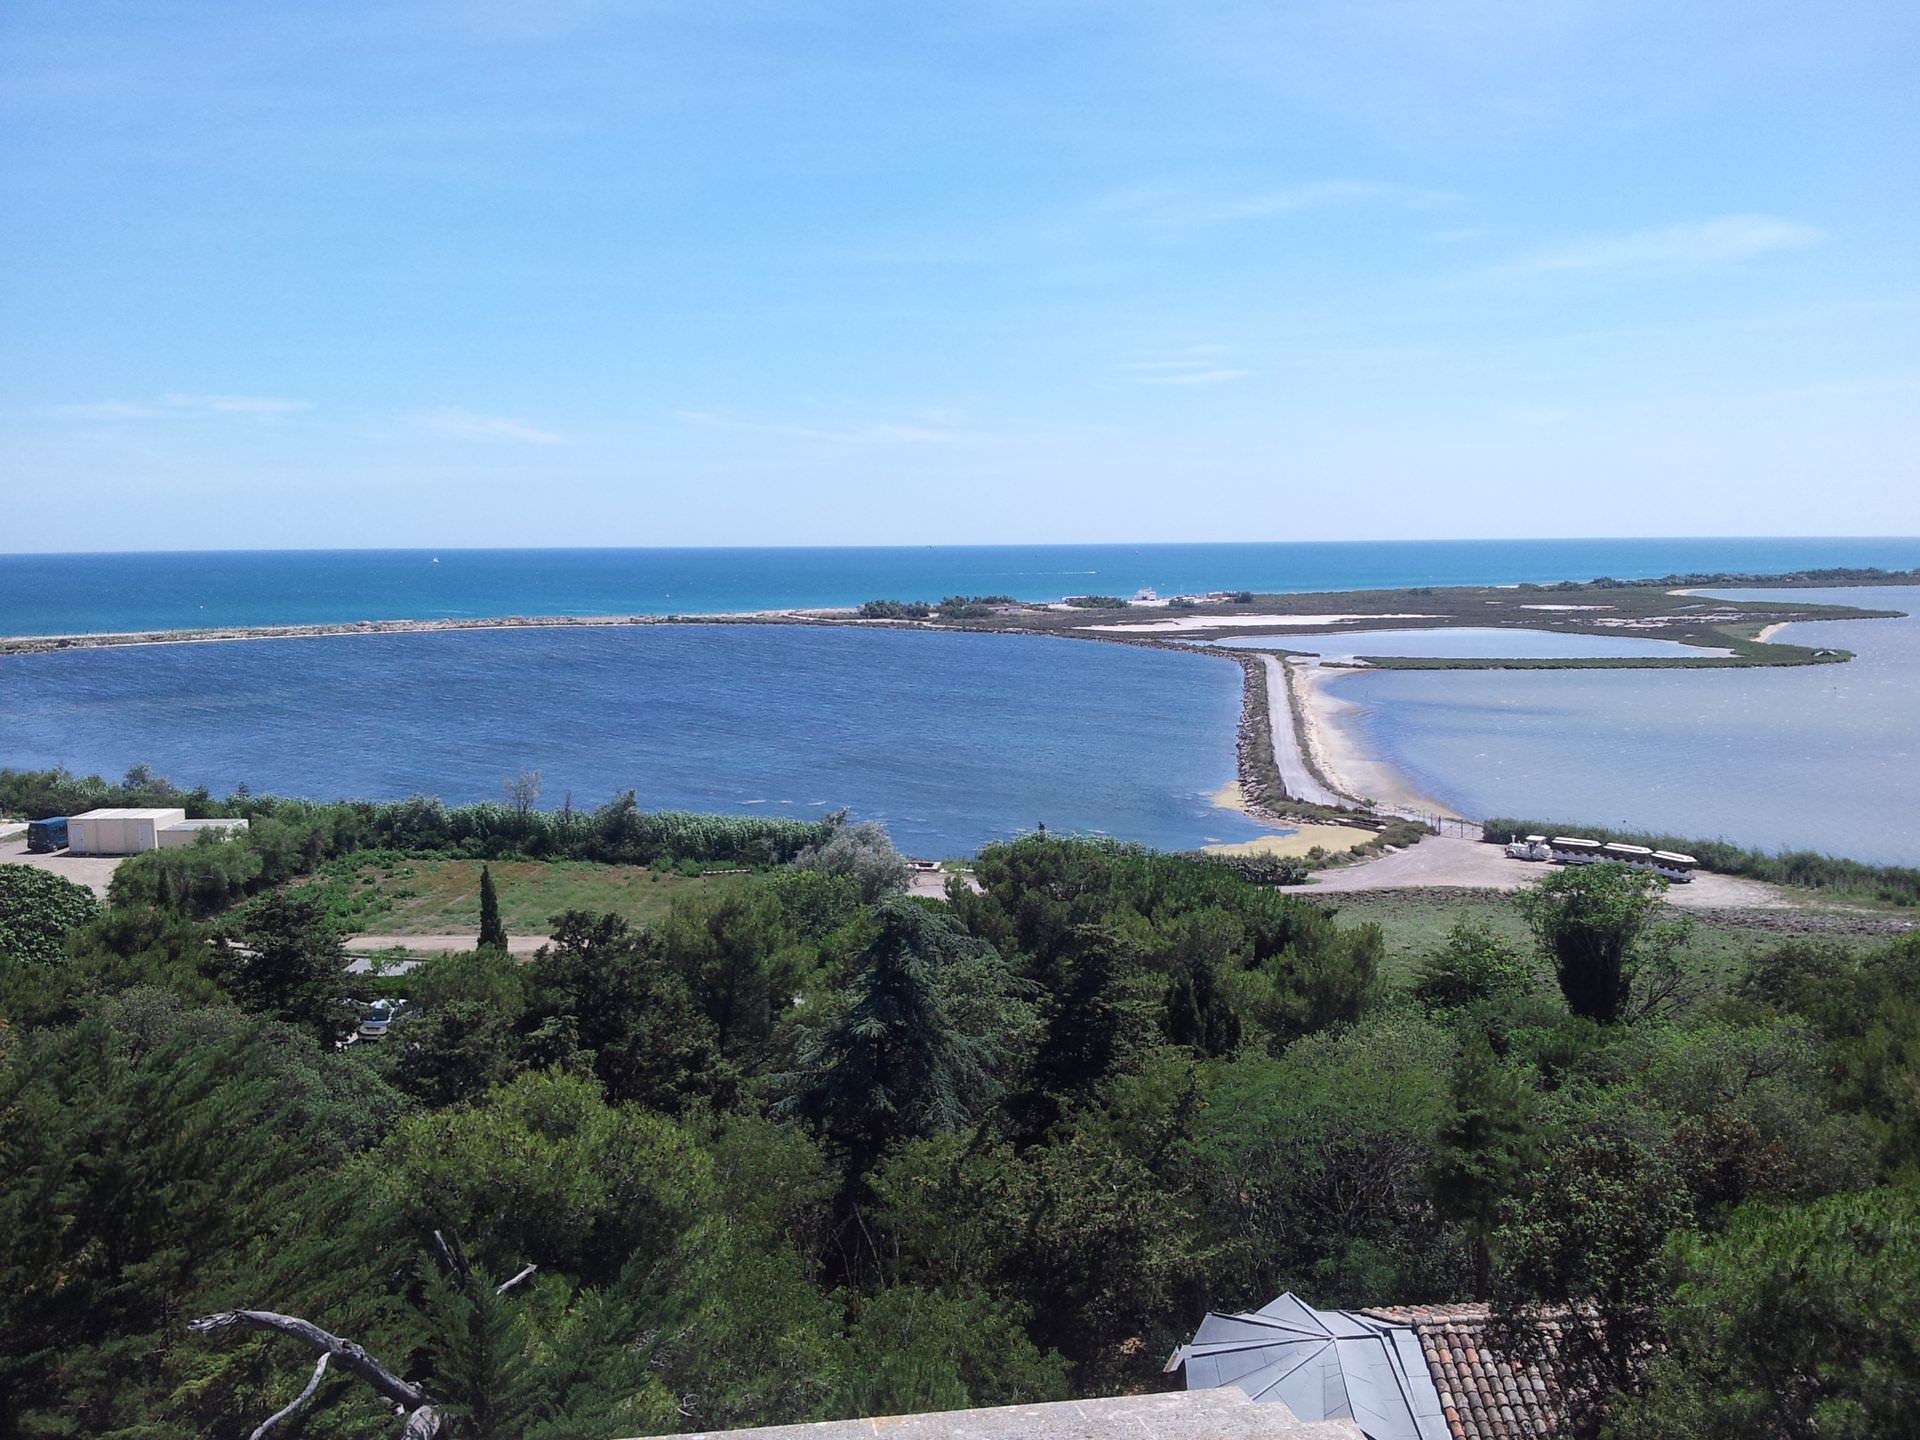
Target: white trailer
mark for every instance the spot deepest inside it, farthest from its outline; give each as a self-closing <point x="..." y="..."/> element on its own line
<point x="119" y="832"/>
<point x="188" y="832"/>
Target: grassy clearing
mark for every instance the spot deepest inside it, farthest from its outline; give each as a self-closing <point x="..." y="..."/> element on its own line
<point x="397" y="895"/>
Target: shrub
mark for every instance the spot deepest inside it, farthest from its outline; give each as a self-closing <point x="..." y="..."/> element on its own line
<point x="37" y="909"/>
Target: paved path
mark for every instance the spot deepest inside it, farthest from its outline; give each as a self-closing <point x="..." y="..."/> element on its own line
<point x="92" y="871"/>
<point x="1441" y="861"/>
<point x="438" y="944"/>
<point x="1289" y="753"/>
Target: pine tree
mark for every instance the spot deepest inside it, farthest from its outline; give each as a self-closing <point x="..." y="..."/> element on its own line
<point x="893" y="1066"/>
<point x="493" y="935"/>
<point x="1483" y="1149"/>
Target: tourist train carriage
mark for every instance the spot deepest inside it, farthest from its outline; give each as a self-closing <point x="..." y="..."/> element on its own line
<point x="1674" y="865"/>
<point x="1641" y="855"/>
<point x="1572" y="850"/>
<point x="1577" y="850"/>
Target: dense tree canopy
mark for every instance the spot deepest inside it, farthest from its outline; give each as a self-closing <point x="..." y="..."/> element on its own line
<point x="803" y="1147"/>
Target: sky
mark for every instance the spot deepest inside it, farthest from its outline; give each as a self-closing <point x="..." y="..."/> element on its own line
<point x="556" y="272"/>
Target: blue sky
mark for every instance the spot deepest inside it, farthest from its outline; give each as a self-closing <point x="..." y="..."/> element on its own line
<point x="559" y="272"/>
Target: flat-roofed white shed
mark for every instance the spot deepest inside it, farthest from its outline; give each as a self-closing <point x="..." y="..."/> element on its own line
<point x="118" y="831"/>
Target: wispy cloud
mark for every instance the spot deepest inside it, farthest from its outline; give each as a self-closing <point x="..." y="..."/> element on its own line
<point x="1195" y="365"/>
<point x="878" y="432"/>
<point x="466" y="425"/>
<point x="236" y="404"/>
<point x="1722" y="241"/>
<point x="1180" y="205"/>
<point x="177" y="406"/>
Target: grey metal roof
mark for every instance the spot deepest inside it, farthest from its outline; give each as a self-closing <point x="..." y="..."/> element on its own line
<point x="1323" y="1364"/>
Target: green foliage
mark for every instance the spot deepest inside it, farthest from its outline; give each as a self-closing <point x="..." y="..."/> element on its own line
<point x="896" y="1065"/>
<point x="288" y="838"/>
<point x="1079" y="1231"/>
<point x="1097" y="602"/>
<point x="1587" y="1233"/>
<point x="1596" y="925"/>
<point x="1473" y="966"/>
<point x="155" y="1159"/>
<point x="741" y="958"/>
<point x="459" y="1036"/>
<point x="861" y="852"/>
<point x="493" y="934"/>
<point x="1867" y="1007"/>
<point x="37" y="909"/>
<point x="782" y="1155"/>
<point x="286" y="960"/>
<point x="1315" y="1165"/>
<point x="542" y="1171"/>
<point x="895" y="610"/>
<point x="1484" y="1149"/>
<point x="610" y="999"/>
<point x="1287" y="966"/>
<point x="911" y="1350"/>
<point x="1796" y="1321"/>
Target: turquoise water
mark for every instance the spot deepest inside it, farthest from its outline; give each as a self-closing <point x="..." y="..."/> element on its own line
<point x="1469" y="643"/>
<point x="60" y="594"/>
<point x="952" y="740"/>
<point x="1821" y="757"/>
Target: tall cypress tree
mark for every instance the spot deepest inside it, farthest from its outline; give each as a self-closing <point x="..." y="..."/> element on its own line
<point x="493" y="935"/>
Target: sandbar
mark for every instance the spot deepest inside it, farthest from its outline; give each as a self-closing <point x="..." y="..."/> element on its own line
<point x="1329" y="732"/>
<point x="1188" y="623"/>
<point x="1334" y="839"/>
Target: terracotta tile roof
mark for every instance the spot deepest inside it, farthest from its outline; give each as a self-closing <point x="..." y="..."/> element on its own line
<point x="1485" y="1395"/>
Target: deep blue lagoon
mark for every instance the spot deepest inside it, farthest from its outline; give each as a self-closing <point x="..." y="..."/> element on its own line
<point x="952" y="740"/>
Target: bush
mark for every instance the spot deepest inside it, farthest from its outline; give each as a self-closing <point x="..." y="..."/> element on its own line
<point x="37" y="909"/>
<point x="895" y="610"/>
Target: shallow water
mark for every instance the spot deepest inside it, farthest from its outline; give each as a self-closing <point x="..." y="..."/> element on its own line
<point x="1469" y="643"/>
<point x="1820" y="757"/>
<point x="952" y="740"/>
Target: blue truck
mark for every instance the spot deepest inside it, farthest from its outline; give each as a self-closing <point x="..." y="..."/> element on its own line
<point x="45" y="836"/>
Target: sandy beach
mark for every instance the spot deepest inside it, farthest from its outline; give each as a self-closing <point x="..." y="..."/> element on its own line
<point x="1328" y="733"/>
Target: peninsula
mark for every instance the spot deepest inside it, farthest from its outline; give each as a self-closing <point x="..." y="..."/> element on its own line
<point x="1293" y="765"/>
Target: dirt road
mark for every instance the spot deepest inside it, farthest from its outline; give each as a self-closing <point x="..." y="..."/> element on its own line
<point x="93" y="871"/>
<point x="438" y="944"/>
<point x="1289" y="753"/>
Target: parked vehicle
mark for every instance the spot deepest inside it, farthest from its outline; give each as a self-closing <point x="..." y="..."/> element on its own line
<point x="379" y="1019"/>
<point x="46" y="836"/>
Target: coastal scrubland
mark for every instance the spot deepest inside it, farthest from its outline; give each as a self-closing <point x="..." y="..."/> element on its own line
<point x="796" y="1146"/>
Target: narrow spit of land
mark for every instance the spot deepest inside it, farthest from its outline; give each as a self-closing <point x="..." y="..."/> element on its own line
<point x="1308" y="767"/>
<point x="1666" y="608"/>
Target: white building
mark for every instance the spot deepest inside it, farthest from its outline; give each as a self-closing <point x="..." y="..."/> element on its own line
<point x="188" y="832"/>
<point x="119" y="832"/>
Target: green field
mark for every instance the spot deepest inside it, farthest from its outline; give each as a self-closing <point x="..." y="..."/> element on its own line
<point x="397" y="895"/>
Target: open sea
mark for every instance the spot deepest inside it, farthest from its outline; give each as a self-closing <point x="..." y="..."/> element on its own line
<point x="952" y="740"/>
<point x="63" y="594"/>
